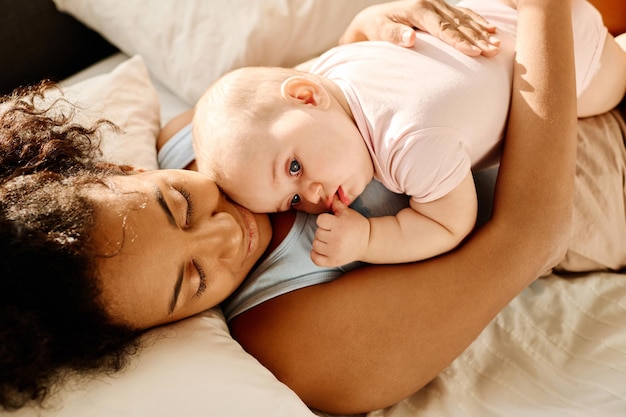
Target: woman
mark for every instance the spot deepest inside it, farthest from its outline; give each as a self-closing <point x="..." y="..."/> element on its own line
<point x="55" y="194"/>
<point x="133" y="221"/>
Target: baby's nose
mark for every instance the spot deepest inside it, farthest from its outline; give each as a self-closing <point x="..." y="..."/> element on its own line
<point x="313" y="192"/>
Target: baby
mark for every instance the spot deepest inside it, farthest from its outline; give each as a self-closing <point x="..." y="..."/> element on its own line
<point x="416" y="120"/>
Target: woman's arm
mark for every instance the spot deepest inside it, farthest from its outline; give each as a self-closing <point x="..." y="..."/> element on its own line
<point x="380" y="333"/>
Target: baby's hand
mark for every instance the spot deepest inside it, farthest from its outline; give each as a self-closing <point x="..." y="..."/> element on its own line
<point x="396" y="22"/>
<point x="341" y="237"/>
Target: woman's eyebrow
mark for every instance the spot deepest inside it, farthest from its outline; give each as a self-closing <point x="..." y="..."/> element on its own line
<point x="159" y="198"/>
<point x="177" y="286"/>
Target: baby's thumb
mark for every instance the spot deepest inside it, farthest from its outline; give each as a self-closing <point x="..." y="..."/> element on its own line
<point x="338" y="206"/>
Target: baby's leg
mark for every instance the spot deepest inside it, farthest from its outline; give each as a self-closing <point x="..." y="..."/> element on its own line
<point x="608" y="85"/>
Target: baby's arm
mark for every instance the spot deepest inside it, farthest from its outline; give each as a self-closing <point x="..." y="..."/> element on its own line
<point x="418" y="232"/>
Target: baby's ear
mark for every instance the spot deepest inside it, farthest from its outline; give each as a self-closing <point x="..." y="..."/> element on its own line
<point x="303" y="90"/>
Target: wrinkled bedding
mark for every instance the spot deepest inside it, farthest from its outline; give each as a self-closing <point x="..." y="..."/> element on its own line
<point x="558" y="349"/>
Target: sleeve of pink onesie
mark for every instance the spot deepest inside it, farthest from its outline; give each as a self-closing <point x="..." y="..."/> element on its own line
<point x="427" y="164"/>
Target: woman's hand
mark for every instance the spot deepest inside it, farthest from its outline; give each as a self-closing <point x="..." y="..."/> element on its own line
<point x="397" y="21"/>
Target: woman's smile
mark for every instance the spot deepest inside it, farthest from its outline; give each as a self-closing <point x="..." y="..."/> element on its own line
<point x="251" y="226"/>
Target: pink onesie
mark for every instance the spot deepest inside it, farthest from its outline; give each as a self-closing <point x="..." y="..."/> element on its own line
<point x="430" y="114"/>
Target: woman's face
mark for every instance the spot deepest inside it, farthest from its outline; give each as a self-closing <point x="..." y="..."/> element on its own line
<point x="173" y="245"/>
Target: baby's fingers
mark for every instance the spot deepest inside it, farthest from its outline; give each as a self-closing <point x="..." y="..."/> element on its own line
<point x="319" y="253"/>
<point x="325" y="221"/>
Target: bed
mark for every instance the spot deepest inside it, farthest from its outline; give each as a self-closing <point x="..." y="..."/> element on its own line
<point x="558" y="349"/>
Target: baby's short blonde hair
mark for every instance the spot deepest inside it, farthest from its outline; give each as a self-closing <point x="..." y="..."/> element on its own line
<point x="233" y="114"/>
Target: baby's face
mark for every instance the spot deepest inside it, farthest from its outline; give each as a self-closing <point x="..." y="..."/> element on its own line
<point x="299" y="163"/>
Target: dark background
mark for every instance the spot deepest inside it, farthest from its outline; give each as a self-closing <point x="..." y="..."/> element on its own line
<point x="37" y="42"/>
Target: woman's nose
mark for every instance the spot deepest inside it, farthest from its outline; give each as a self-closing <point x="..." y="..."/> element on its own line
<point x="219" y="235"/>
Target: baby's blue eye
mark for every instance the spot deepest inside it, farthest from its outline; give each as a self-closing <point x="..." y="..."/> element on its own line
<point x="294" y="167"/>
<point x="295" y="200"/>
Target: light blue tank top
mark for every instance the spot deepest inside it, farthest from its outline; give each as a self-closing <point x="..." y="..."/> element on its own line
<point x="177" y="152"/>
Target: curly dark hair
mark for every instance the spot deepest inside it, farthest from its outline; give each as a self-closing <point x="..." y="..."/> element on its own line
<point x="52" y="320"/>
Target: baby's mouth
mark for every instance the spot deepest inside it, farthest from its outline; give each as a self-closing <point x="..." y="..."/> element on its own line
<point x="341" y="195"/>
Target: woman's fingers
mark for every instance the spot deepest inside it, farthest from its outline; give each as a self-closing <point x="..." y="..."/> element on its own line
<point x="396" y="22"/>
<point x="460" y="27"/>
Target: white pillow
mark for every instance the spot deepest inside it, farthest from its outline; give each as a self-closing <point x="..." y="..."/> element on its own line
<point x="126" y="97"/>
<point x="190" y="368"/>
<point x="188" y="44"/>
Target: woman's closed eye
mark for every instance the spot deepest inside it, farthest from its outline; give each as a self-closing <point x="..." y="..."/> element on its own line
<point x="190" y="207"/>
<point x="202" y="275"/>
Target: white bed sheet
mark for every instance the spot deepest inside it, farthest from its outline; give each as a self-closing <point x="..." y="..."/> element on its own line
<point x="559" y="349"/>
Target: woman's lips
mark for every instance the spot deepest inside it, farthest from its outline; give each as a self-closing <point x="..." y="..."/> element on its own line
<point x="252" y="228"/>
